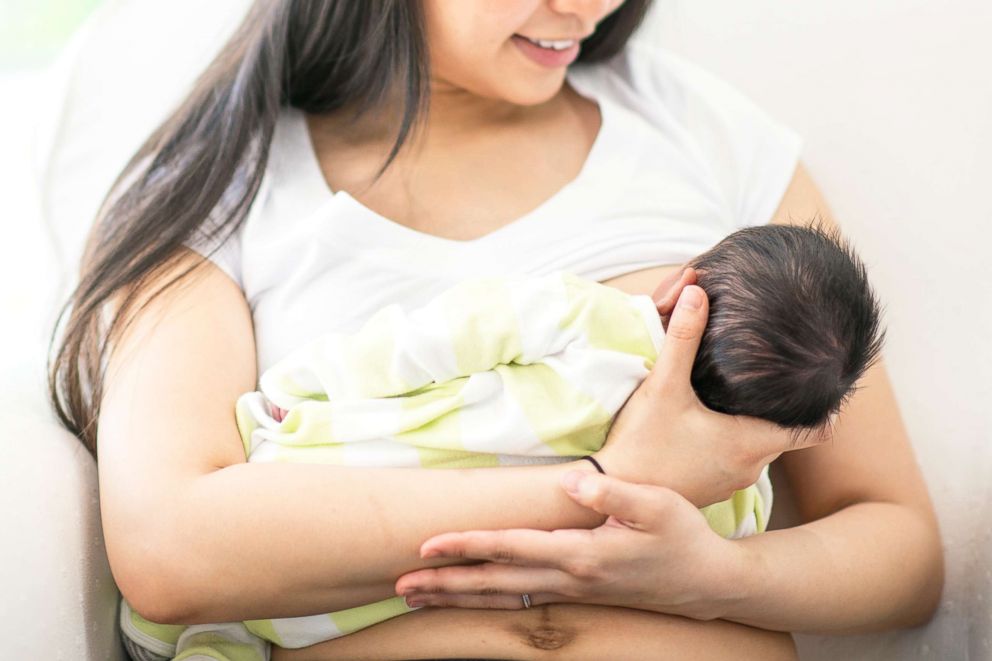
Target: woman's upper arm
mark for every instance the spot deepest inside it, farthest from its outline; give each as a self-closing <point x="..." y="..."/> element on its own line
<point x="869" y="457"/>
<point x="167" y="411"/>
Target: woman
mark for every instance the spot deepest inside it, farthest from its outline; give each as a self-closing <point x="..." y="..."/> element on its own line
<point x="401" y="145"/>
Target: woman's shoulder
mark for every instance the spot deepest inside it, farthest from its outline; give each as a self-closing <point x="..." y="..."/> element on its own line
<point x="282" y="170"/>
<point x="745" y="149"/>
<point x="642" y="69"/>
<point x="655" y="79"/>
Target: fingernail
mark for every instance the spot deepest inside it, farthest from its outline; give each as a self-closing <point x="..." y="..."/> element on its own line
<point x="690" y="299"/>
<point x="415" y="603"/>
<point x="432" y="553"/>
<point x="571" y="481"/>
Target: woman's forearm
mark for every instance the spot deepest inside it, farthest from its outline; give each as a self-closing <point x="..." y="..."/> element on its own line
<point x="264" y="540"/>
<point x="867" y="567"/>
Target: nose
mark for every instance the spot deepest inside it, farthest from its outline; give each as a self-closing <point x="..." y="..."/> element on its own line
<point x="589" y="12"/>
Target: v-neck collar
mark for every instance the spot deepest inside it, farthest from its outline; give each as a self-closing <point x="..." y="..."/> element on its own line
<point x="315" y="185"/>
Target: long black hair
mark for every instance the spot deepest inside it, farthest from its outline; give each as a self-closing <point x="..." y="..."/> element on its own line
<point x="315" y="55"/>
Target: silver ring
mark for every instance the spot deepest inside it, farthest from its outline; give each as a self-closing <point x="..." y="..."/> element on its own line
<point x="526" y="598"/>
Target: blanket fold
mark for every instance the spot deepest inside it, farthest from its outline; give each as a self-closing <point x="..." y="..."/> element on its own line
<point x="494" y="371"/>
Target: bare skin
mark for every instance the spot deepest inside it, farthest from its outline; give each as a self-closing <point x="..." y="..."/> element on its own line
<point x="553" y="138"/>
<point x="855" y="499"/>
<point x="397" y="201"/>
<point x="195" y="350"/>
<point x="575" y="632"/>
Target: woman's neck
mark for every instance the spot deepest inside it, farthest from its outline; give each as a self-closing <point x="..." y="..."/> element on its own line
<point x="453" y="114"/>
<point x="458" y="110"/>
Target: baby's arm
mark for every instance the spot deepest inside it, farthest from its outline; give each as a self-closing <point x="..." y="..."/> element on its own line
<point x="547" y="362"/>
<point x="469" y="328"/>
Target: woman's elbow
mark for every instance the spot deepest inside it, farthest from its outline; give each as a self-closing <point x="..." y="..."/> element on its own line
<point x="151" y="595"/>
<point x="929" y="585"/>
<point x="155" y="578"/>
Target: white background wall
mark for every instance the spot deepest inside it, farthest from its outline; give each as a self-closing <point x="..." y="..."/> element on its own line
<point x="894" y="100"/>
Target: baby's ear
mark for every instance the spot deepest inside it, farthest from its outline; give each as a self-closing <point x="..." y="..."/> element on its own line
<point x="668" y="290"/>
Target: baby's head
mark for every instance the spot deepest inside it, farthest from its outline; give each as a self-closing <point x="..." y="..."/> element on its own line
<point x="793" y="325"/>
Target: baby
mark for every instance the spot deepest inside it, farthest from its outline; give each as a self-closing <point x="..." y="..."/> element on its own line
<point x="793" y="325"/>
<point x="501" y="371"/>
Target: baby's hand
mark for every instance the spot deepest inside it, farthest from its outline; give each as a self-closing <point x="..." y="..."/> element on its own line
<point x="278" y="413"/>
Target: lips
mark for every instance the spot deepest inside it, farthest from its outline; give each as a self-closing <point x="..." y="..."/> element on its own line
<point x="547" y="57"/>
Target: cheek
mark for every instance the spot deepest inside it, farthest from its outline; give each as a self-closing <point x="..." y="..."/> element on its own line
<point x="461" y="58"/>
<point x="473" y="51"/>
<point x="462" y="34"/>
<point x="497" y="70"/>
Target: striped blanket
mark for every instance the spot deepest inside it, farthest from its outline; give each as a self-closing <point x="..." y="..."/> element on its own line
<point x="494" y="371"/>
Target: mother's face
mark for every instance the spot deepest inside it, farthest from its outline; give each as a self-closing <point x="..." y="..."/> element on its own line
<point x="479" y="45"/>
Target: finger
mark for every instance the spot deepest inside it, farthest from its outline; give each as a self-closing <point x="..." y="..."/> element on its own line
<point x="498" y="601"/>
<point x="485" y="579"/>
<point x="638" y="506"/>
<point x="670" y="287"/>
<point x="673" y="368"/>
<point x="529" y="548"/>
<point x="667" y="291"/>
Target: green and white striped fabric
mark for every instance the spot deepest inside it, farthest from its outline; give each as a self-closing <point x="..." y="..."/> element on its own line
<point x="493" y="371"/>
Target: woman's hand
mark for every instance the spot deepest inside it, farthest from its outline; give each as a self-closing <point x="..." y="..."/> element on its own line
<point x="665" y="436"/>
<point x="654" y="552"/>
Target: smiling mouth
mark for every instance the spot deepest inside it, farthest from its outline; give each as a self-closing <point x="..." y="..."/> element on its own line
<point x="550" y="44"/>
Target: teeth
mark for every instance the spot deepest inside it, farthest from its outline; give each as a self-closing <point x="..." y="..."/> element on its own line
<point x="555" y="45"/>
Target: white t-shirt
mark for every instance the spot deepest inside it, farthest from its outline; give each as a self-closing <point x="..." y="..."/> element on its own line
<point x="681" y="160"/>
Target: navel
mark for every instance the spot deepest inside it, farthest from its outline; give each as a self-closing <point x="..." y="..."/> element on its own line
<point x="540" y="630"/>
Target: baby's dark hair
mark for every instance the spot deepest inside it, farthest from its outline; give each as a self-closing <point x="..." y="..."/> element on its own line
<point x="793" y="325"/>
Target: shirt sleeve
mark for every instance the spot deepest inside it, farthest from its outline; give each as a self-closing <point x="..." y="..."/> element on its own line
<point x="226" y="255"/>
<point x="750" y="154"/>
<point x="209" y="242"/>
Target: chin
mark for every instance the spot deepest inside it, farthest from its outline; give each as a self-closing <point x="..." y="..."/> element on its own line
<point x="535" y="93"/>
